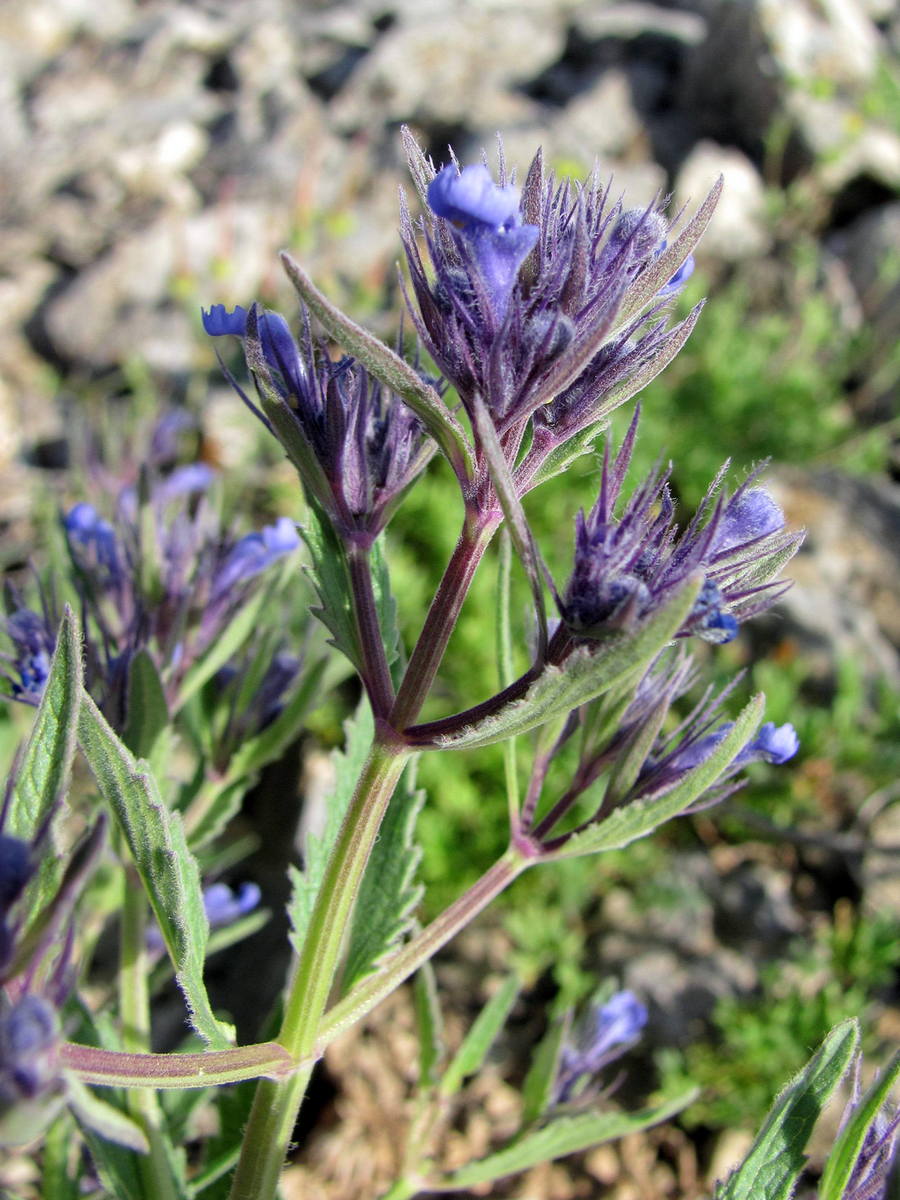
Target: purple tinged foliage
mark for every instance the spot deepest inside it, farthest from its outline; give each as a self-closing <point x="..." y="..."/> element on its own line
<point x="629" y="563"/>
<point x="877" y="1163"/>
<point x="544" y="333"/>
<point x="604" y="1035"/>
<point x="362" y="446"/>
<point x="29" y="1036"/>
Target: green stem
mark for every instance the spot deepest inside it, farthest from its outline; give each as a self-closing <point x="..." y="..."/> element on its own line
<point x="275" y="1106"/>
<point x="134" y="1009"/>
<point x="366" y="995"/>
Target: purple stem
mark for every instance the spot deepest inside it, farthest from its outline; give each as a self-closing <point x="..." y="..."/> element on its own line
<point x="376" y="673"/>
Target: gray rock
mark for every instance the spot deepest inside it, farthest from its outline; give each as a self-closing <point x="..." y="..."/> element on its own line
<point x="844" y="600"/>
<point x="739" y="228"/>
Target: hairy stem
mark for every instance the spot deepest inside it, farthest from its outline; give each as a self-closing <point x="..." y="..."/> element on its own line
<point x="441" y="620"/>
<point x="376" y="674"/>
<point x="275" y="1106"/>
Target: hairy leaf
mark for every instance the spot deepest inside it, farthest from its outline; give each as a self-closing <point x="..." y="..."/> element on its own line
<point x="776" y="1158"/>
<point x="561" y="1136"/>
<point x="470" y="1057"/>
<point x="588" y="672"/>
<point x="168" y="870"/>
<point x="388" y="896"/>
<point x="850" y="1142"/>
<point x="330" y="575"/>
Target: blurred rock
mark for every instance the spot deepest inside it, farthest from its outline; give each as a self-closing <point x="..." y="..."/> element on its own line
<point x="738" y="228"/>
<point x="844" y="600"/>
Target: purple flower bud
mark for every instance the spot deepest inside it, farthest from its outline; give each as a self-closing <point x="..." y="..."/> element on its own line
<point x="606" y="1034"/>
<point x="15" y="870"/>
<point x="28" y="1041"/>
<point x="34" y="641"/>
<point x="749" y="515"/>
<point x="773" y="744"/>
<point x="92" y="543"/>
<point x="219" y="322"/>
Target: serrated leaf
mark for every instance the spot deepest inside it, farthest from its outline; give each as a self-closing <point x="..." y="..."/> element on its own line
<point x="168" y="870"/>
<point x="537" y="1090"/>
<point x="43" y="774"/>
<point x="561" y="1136"/>
<point x="775" y="1160"/>
<point x="429" y="1025"/>
<point x="147" y="713"/>
<point x="348" y="764"/>
<point x="641" y="817"/>
<point x="388" y="896"/>
<point x="588" y="672"/>
<point x="388" y="367"/>
<point x="103" y="1118"/>
<point x="850" y="1141"/>
<point x="470" y="1057"/>
<point x="330" y="575"/>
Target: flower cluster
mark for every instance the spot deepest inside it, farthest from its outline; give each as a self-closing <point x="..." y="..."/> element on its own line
<point x="543" y="303"/>
<point x="161" y="574"/>
<point x="356" y="445"/>
<point x="629" y="564"/>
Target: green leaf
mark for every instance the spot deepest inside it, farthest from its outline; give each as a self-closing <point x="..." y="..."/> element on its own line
<point x="849" y="1145"/>
<point x="104" y="1118"/>
<point x="118" y="1168"/>
<point x="43" y="774"/>
<point x="60" y="1177"/>
<point x="641" y="817"/>
<point x="330" y="574"/>
<point x="387" y="366"/>
<point x="348" y="765"/>
<point x="588" y="672"/>
<point x="388" y="896"/>
<point x="470" y="1057"/>
<point x="561" y="1136"/>
<point x="776" y="1158"/>
<point x="147" y="713"/>
<point x="429" y="1024"/>
<point x="168" y="870"/>
<point x="537" y="1090"/>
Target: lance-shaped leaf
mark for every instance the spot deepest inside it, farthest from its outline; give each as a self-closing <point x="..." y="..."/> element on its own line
<point x="641" y="817"/>
<point x="773" y="1165"/>
<point x="540" y="1082"/>
<point x="348" y="764"/>
<point x="588" y="672"/>
<point x="147" y="713"/>
<point x="564" y="1135"/>
<point x="650" y="281"/>
<point x="380" y="361"/>
<point x="388" y="896"/>
<point x="851" y="1140"/>
<point x="169" y="872"/>
<point x="43" y="773"/>
<point x="429" y="1026"/>
<point x="104" y="1118"/>
<point x="471" y="1055"/>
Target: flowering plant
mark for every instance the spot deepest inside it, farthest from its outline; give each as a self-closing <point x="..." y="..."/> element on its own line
<point x="544" y="309"/>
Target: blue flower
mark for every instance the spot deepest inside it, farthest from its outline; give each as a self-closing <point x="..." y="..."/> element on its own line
<point x="93" y="544"/>
<point x="604" y="1035"/>
<point x="29" y="1035"/>
<point x="489" y="226"/>
<point x="34" y="640"/>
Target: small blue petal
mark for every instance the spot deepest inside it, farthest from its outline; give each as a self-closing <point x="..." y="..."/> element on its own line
<point x="219" y="321"/>
<point x="470" y="197"/>
<point x="773" y="744"/>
